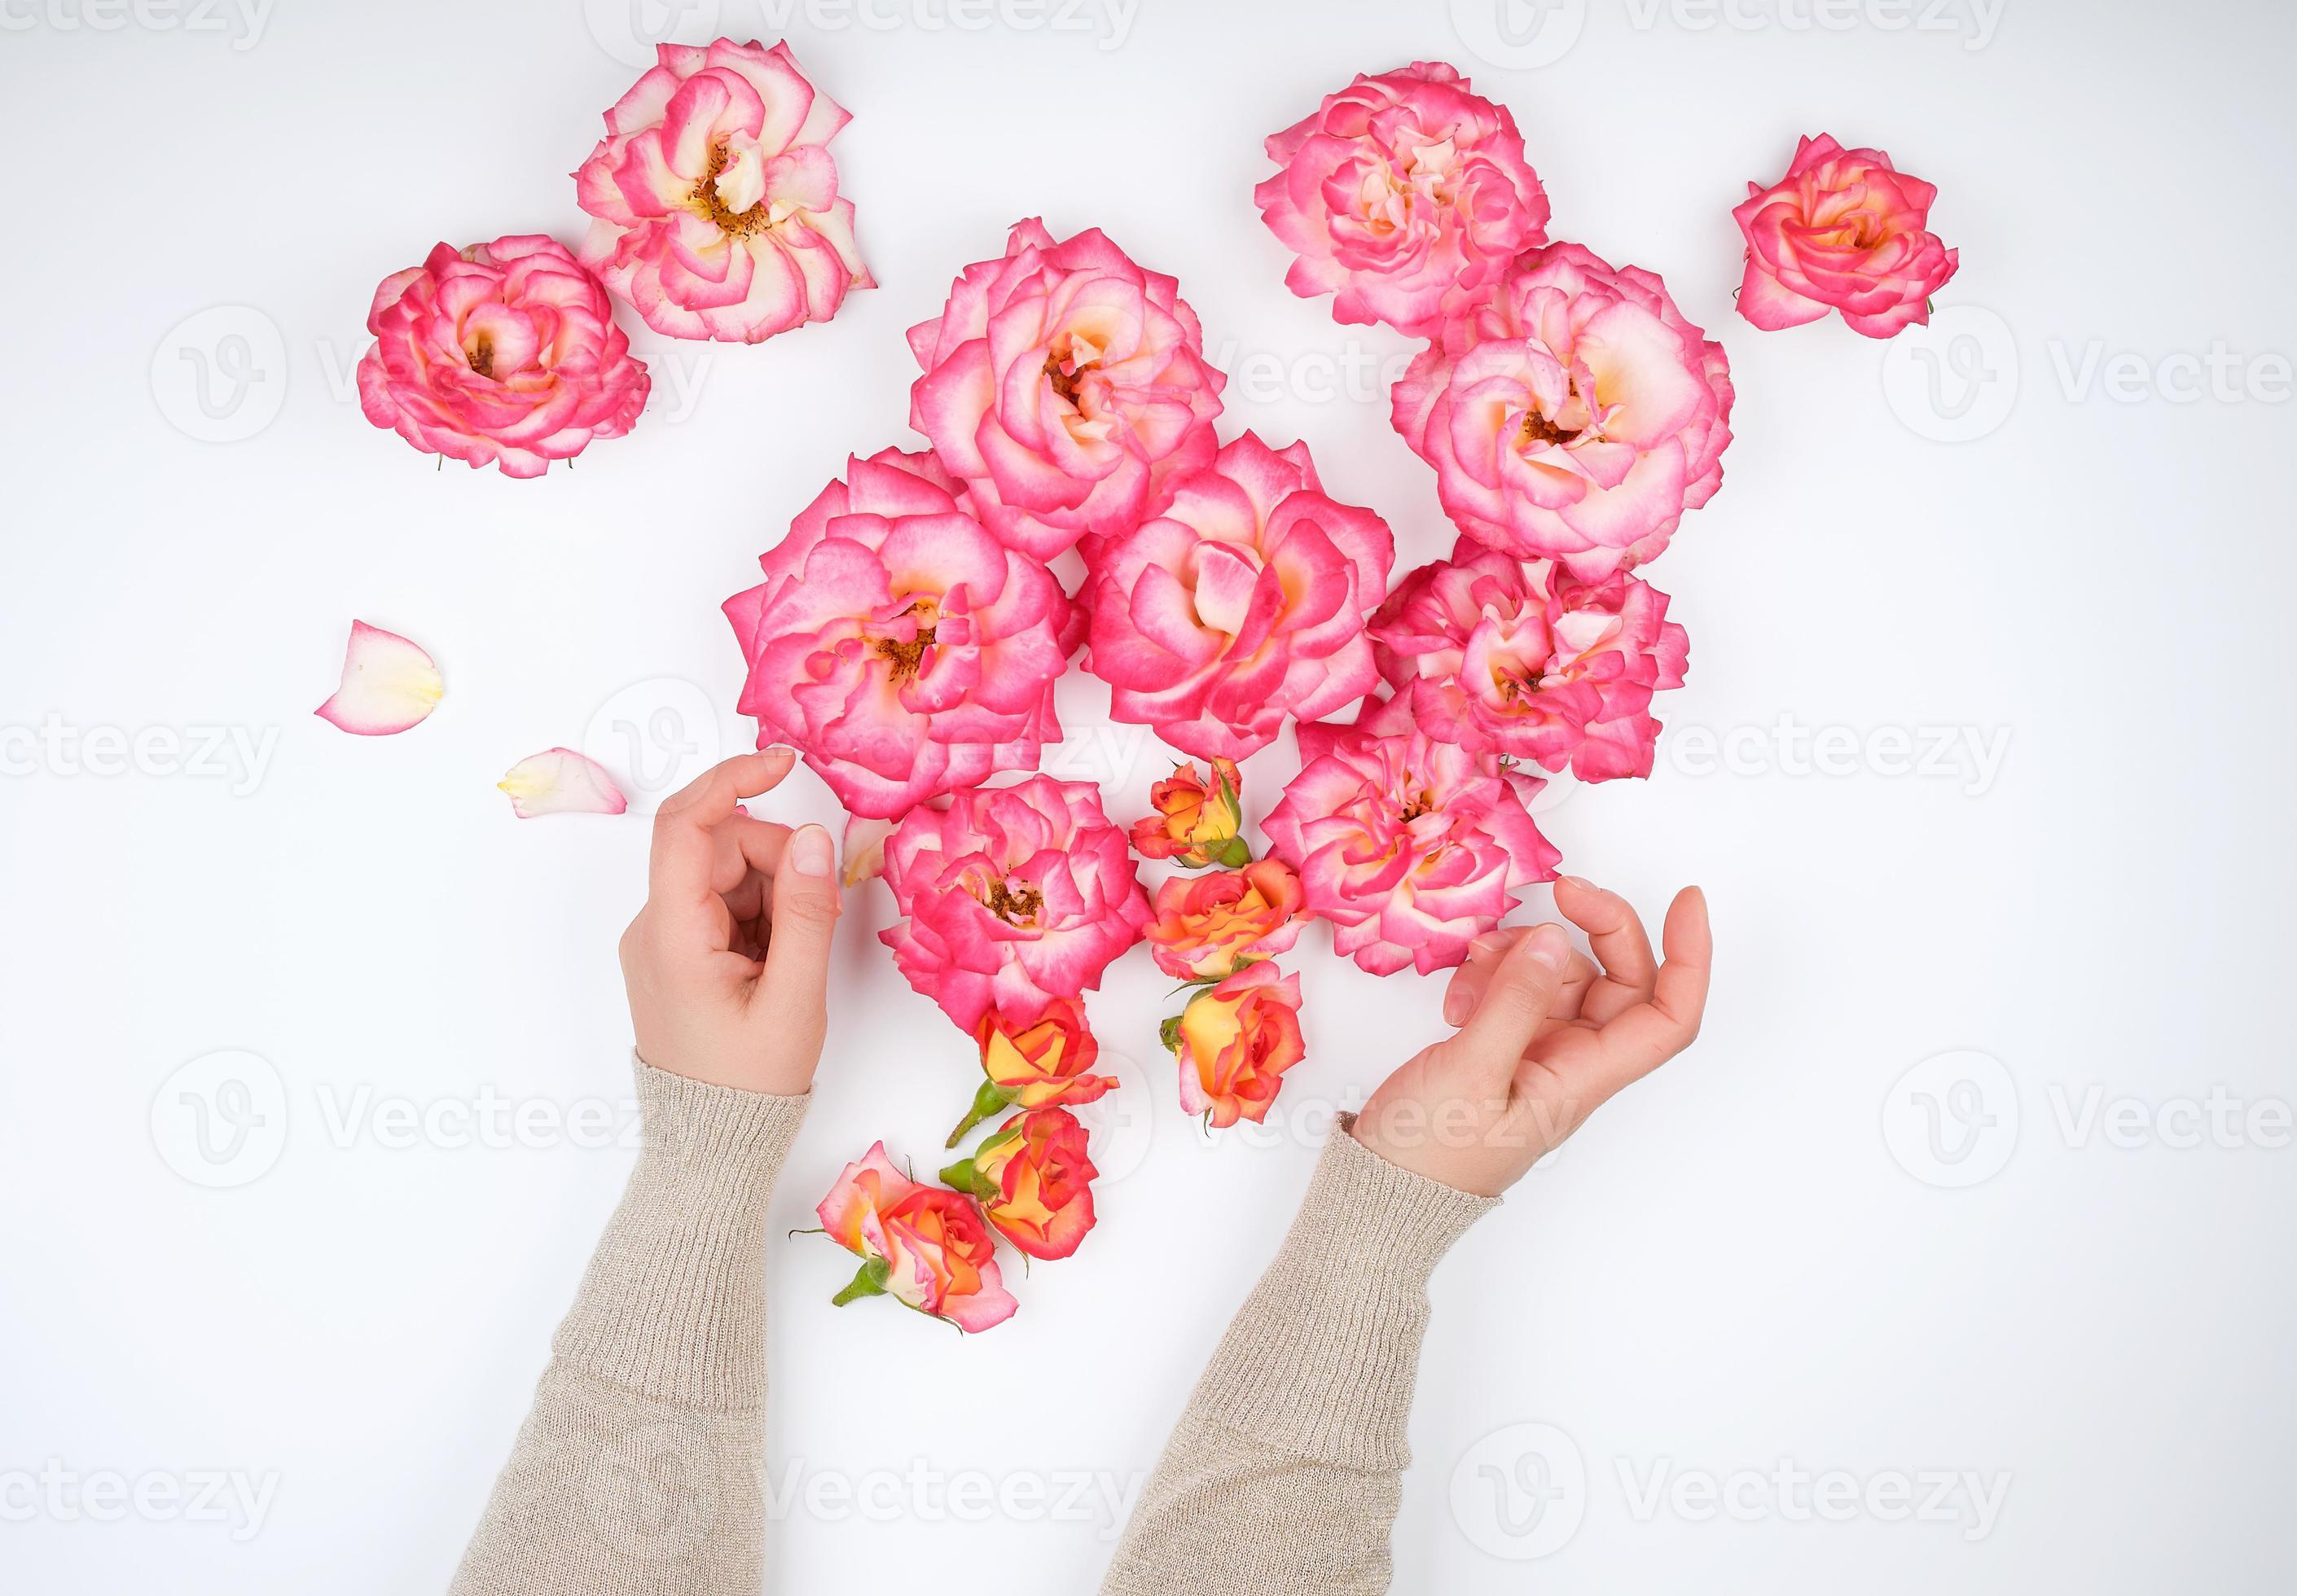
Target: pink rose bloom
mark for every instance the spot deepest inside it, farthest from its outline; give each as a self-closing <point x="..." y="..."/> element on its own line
<point x="1014" y="896"/>
<point x="1243" y="603"/>
<point x="1573" y="415"/>
<point x="899" y="646"/>
<point x="504" y="352"/>
<point x="1515" y="659"/>
<point x="1067" y="387"/>
<point x="1411" y="847"/>
<point x="1843" y="230"/>
<point x="716" y="200"/>
<point x="1403" y="195"/>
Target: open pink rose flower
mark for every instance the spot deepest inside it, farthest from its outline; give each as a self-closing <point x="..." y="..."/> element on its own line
<point x="1240" y="604"/>
<point x="899" y="646"/>
<point x="1574" y="415"/>
<point x="1404" y="196"/>
<point x="504" y="353"/>
<point x="716" y="200"/>
<point x="1412" y="848"/>
<point x="1843" y="230"/>
<point x="1067" y="386"/>
<point x="1014" y="897"/>
<point x="1515" y="658"/>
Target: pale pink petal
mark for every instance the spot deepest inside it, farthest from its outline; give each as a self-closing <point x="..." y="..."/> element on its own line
<point x="559" y="781"/>
<point x="389" y="684"/>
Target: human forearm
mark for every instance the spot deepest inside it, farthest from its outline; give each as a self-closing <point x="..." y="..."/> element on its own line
<point x="1282" y="1474"/>
<point x="637" y="1469"/>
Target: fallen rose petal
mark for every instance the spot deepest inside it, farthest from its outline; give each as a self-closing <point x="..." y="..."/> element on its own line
<point x="865" y="848"/>
<point x="389" y="684"/>
<point x="559" y="781"/>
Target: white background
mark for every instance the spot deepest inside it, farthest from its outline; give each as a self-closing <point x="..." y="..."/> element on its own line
<point x="1730" y="1267"/>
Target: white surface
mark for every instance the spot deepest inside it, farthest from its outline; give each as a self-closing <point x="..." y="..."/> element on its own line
<point x="1728" y="1268"/>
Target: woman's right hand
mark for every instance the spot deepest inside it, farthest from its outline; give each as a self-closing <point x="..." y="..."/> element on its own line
<point x="1545" y="1037"/>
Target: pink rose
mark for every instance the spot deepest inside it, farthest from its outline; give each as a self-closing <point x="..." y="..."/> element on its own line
<point x="1411" y="847"/>
<point x="1573" y="415"/>
<point x="1067" y="387"/>
<point x="716" y="200"/>
<point x="1516" y="659"/>
<point x="1843" y="230"/>
<point x="504" y="352"/>
<point x="925" y="1247"/>
<point x="1403" y="195"/>
<point x="899" y="646"/>
<point x="1014" y="897"/>
<point x="1243" y="603"/>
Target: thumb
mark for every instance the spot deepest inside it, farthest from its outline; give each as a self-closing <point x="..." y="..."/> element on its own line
<point x="1519" y="997"/>
<point x="793" y="990"/>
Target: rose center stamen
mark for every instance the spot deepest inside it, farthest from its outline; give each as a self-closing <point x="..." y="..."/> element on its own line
<point x="906" y="658"/>
<point x="733" y="223"/>
<point x="1064" y="381"/>
<point x="482" y="355"/>
<point x="1537" y="429"/>
<point x="1015" y="905"/>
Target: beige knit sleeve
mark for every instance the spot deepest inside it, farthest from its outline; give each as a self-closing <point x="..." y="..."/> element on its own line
<point x="1282" y="1475"/>
<point x="637" y="1470"/>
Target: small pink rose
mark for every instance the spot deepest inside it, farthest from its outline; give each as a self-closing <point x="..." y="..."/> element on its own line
<point x="1067" y="387"/>
<point x="1843" y="230"/>
<point x="897" y="645"/>
<point x="1515" y="659"/>
<point x="1014" y="897"/>
<point x="505" y="353"/>
<point x="1411" y="847"/>
<point x="715" y="199"/>
<point x="1574" y="415"/>
<point x="1404" y="196"/>
<point x="1242" y="604"/>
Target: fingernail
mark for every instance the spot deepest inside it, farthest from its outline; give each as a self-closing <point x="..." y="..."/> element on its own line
<point x="784" y="749"/>
<point x="1489" y="944"/>
<point x="810" y="851"/>
<point x="1583" y="884"/>
<point x="1549" y="948"/>
<point x="1455" y="1006"/>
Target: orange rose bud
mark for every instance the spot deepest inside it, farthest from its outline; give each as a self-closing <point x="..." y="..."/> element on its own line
<point x="1036" y="1064"/>
<point x="1197" y="819"/>
<point x="1207" y="926"/>
<point x="925" y="1247"/>
<point x="1033" y="1179"/>
<point x="1234" y="1042"/>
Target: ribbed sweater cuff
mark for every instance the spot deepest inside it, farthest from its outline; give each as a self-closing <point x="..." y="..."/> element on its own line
<point x="1323" y="1358"/>
<point x="673" y="1306"/>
